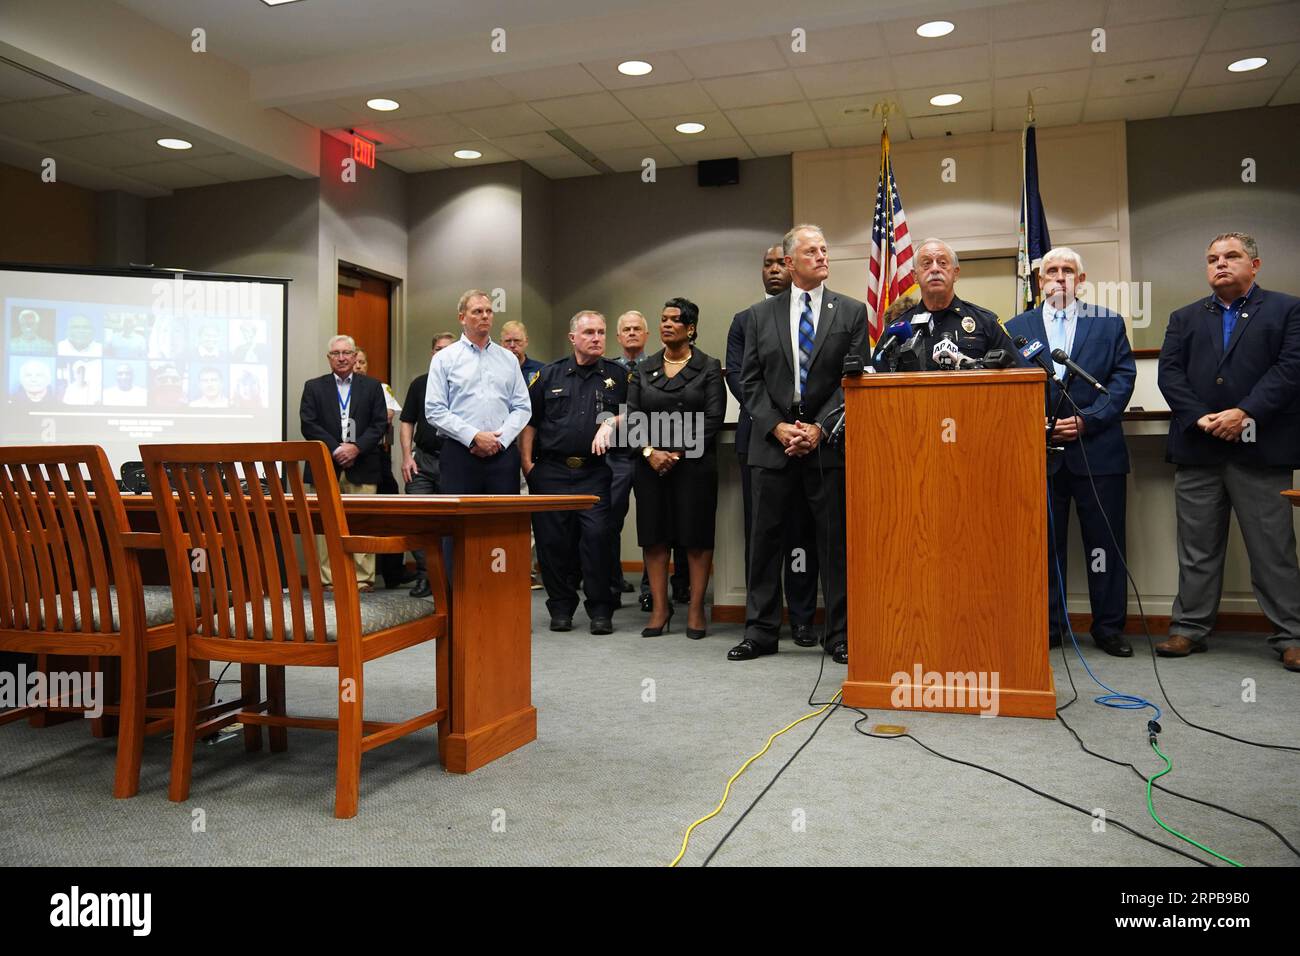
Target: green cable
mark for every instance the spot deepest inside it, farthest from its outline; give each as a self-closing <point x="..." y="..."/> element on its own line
<point x="1152" y="810"/>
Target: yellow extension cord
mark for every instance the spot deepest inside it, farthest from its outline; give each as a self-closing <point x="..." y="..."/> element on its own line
<point x="745" y="766"/>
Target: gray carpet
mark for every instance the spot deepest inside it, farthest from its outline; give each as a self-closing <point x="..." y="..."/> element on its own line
<point x="614" y="780"/>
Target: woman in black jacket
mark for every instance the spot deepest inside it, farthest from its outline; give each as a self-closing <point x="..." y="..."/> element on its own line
<point x="676" y="402"/>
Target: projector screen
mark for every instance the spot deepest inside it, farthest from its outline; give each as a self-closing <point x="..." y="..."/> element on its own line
<point x="119" y="358"/>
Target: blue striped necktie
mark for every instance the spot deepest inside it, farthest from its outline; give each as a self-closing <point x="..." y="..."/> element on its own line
<point x="805" y="341"/>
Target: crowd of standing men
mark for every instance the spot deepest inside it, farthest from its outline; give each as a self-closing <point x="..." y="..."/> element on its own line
<point x="487" y="419"/>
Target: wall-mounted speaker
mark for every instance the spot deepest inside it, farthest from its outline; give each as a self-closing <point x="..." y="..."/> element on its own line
<point x="719" y="172"/>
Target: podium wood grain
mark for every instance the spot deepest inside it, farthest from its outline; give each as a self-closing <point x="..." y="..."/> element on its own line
<point x="947" y="540"/>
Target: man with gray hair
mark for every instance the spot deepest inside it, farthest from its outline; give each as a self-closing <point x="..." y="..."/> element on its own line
<point x="1092" y="467"/>
<point x="974" y="330"/>
<point x="346" y="410"/>
<point x="1230" y="370"/>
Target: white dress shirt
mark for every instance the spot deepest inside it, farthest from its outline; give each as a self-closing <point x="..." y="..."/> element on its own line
<point x="1060" y="334"/>
<point x="474" y="389"/>
<point x="796" y="310"/>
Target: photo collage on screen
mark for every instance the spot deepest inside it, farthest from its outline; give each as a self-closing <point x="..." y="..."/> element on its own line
<point x="105" y="356"/>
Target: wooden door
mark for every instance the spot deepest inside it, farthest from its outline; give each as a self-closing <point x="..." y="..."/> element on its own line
<point x="364" y="310"/>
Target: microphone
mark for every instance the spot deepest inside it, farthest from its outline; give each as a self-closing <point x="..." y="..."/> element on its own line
<point x="1064" y="358"/>
<point x="912" y="355"/>
<point x="894" y="336"/>
<point x="945" y="353"/>
<point x="852" y="365"/>
<point x="997" y="358"/>
<point x="1033" y="352"/>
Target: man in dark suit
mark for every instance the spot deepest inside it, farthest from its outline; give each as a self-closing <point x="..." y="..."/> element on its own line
<point x="1230" y="370"/>
<point x="1087" y="424"/>
<point x="799" y="560"/>
<point x="795" y="346"/>
<point x="346" y="411"/>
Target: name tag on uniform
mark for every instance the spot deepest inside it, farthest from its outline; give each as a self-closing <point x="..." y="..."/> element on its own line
<point x="349" y="430"/>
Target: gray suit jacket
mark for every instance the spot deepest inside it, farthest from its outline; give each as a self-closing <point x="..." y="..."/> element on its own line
<point x="768" y="369"/>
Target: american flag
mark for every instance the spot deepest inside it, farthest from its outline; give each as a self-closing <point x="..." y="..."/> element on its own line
<point x="1035" y="242"/>
<point x="892" y="276"/>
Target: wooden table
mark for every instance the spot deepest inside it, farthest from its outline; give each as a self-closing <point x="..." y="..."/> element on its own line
<point x="491" y="620"/>
<point x="1294" y="496"/>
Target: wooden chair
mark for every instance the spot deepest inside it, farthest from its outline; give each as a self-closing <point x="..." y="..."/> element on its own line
<point x="70" y="585"/>
<point x="224" y="539"/>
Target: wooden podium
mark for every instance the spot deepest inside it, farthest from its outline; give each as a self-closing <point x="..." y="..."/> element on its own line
<point x="947" y="543"/>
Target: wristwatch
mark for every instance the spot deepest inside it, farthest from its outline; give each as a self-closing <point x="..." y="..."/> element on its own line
<point x="646" y="452"/>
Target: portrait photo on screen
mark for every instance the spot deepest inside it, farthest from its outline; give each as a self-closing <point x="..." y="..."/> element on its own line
<point x="80" y="381"/>
<point x="31" y="332"/>
<point x="126" y="334"/>
<point x="208" y="386"/>
<point x="31" y="381"/>
<point x="125" y="385"/>
<point x="167" y="385"/>
<point x="81" y="336"/>
<point x="248" y="387"/>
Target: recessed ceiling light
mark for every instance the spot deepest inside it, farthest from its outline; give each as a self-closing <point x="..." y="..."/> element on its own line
<point x="276" y="3"/>
<point x="935" y="28"/>
<point x="634" y="68"/>
<point x="945" y="99"/>
<point x="382" y="104"/>
<point x="467" y="154"/>
<point x="168" y="143"/>
<point x="689" y="129"/>
<point x="1248" y="64"/>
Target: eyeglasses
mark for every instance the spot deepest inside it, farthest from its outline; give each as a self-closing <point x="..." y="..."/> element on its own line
<point x="341" y="354"/>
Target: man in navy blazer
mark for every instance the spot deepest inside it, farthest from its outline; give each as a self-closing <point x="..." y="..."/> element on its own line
<point x="346" y="411"/>
<point x="1230" y="370"/>
<point x="800" y="575"/>
<point x="1090" y="430"/>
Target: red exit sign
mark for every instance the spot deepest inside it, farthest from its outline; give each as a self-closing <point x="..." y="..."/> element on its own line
<point x="363" y="151"/>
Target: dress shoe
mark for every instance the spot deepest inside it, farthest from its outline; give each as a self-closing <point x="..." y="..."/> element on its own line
<point x="682" y="595"/>
<point x="602" y="625"/>
<point x="803" y="634"/>
<point x="1113" y="644"/>
<point x="647" y="603"/>
<point x="656" y="631"/>
<point x="1179" y="646"/>
<point x="1291" y="658"/>
<point x="625" y="586"/>
<point x="561" y="623"/>
<point x="422" y="588"/>
<point x="840" y="652"/>
<point x="747" y="650"/>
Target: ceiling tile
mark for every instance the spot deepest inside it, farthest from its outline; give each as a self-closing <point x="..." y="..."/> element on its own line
<point x="1152" y="41"/>
<point x="971" y="27"/>
<point x="1139" y="107"/>
<point x="562" y="167"/>
<point x="713" y="149"/>
<point x="1145" y="11"/>
<point x="25" y="121"/>
<point x="726" y="59"/>
<point x="357" y="113"/>
<point x="104" y="150"/>
<point x="427" y="130"/>
<point x="94" y="114"/>
<point x="1288" y="93"/>
<point x="1072" y="51"/>
<point x="463" y="95"/>
<point x="323" y="115"/>
<point x="651" y="102"/>
<point x="835" y="45"/>
<point x="782" y="144"/>
<point x="755" y="89"/>
<point x="1233" y="96"/>
<point x="716" y="126"/>
<point x="975" y="97"/>
<point x="1131" y="79"/>
<point x="942" y="66"/>
<point x="554" y="81"/>
<point x="1064" y="87"/>
<point x="175" y="175"/>
<point x="629" y="160"/>
<point x="531" y="146"/>
<point x="384" y="139"/>
<point x="667" y="69"/>
<point x="232" y="168"/>
<point x="504" y="120"/>
<point x="614" y="136"/>
<point x="845" y="79"/>
<point x="18" y="84"/>
<point x="147" y="140"/>
<point x="589" y="109"/>
<point x="1048" y="18"/>
<point x="1257" y="26"/>
<point x="866" y="134"/>
<point x="491" y="154"/>
<point x="413" y="160"/>
<point x="848" y="110"/>
<point x="1053" y="114"/>
<point x="772" y="119"/>
<point x="924" y="127"/>
<point x="1212" y="68"/>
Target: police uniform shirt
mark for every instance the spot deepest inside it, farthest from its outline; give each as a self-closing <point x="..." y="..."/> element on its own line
<point x="976" y="330"/>
<point x="567" y="398"/>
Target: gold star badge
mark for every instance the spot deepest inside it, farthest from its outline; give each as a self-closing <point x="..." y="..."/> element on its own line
<point x="609" y="383"/>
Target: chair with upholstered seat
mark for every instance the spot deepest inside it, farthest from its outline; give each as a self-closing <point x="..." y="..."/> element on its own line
<point x="70" y="587"/>
<point x="233" y="518"/>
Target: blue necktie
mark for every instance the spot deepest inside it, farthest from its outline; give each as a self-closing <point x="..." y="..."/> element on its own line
<point x="1057" y="340"/>
<point x="805" y="341"/>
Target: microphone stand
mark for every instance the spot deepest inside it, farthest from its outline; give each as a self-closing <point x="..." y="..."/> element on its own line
<point x="1053" y="450"/>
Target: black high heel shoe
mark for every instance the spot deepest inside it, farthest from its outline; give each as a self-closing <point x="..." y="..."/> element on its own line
<point x="656" y="631"/>
<point x="695" y="633"/>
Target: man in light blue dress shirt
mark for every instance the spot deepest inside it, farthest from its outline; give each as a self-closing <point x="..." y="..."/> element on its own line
<point x="478" y="400"/>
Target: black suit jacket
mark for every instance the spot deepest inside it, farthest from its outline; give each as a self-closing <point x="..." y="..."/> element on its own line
<point x="696" y="388"/>
<point x="321" y="421"/>
<point x="1259" y="372"/>
<point x="768" y="369"/>
<point x="735" y="360"/>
